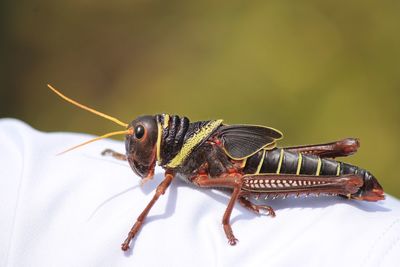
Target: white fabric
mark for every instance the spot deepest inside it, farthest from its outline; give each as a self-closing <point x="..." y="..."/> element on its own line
<point x="76" y="209"/>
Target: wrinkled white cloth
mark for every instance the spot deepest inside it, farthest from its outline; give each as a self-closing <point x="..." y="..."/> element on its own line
<point x="76" y="209"/>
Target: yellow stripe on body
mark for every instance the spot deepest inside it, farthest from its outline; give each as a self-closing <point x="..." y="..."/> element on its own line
<point x="192" y="142"/>
<point x="244" y="161"/>
<point x="278" y="170"/>
<point x="260" y="163"/>
<point x="159" y="141"/>
<point x="166" y="121"/>
<point x="318" y="167"/>
<point x="299" y="164"/>
<point x="338" y="169"/>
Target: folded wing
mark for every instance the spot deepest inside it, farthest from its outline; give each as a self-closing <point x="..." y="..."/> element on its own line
<point x="242" y="141"/>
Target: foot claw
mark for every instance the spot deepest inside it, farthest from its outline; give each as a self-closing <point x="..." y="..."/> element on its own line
<point x="232" y="241"/>
<point x="268" y="210"/>
<point x="257" y="209"/>
<point x="125" y="246"/>
<point x="263" y="210"/>
<point x="229" y="234"/>
<point x="107" y="152"/>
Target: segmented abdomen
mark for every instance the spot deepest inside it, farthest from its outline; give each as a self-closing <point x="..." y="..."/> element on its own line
<point x="280" y="161"/>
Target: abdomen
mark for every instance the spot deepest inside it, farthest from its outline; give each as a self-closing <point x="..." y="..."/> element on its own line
<point x="279" y="161"/>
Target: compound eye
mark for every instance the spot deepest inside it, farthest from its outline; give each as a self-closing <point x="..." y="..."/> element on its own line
<point x="139" y="131"/>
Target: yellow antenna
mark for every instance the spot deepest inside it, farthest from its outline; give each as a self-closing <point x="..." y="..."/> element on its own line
<point x="128" y="131"/>
<point x="98" y="113"/>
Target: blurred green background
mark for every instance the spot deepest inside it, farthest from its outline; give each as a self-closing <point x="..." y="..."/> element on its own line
<point x="316" y="70"/>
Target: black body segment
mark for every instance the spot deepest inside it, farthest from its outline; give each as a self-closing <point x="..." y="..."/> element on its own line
<point x="309" y="165"/>
<point x="347" y="168"/>
<point x="253" y="162"/>
<point x="175" y="140"/>
<point x="289" y="162"/>
<point x="174" y="129"/>
<point x="329" y="167"/>
<point x="271" y="161"/>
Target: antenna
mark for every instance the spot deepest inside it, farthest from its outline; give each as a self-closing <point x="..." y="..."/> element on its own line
<point x="98" y="113"/>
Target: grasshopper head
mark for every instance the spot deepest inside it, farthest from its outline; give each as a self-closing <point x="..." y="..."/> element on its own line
<point x="141" y="145"/>
<point x="140" y="138"/>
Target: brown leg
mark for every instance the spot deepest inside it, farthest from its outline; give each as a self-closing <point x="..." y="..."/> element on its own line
<point x="112" y="153"/>
<point x="256" y="208"/>
<point x="233" y="181"/>
<point x="340" y="148"/>
<point x="139" y="221"/>
<point x="286" y="184"/>
<point x="227" y="215"/>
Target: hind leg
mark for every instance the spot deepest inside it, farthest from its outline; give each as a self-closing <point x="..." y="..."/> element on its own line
<point x="339" y="148"/>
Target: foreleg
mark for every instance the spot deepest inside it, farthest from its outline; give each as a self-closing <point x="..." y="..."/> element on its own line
<point x="161" y="188"/>
<point x="112" y="153"/>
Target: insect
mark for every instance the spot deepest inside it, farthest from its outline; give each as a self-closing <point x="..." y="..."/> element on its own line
<point x="243" y="160"/>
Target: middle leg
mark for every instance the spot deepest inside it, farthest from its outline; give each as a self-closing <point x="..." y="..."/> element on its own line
<point x="232" y="181"/>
